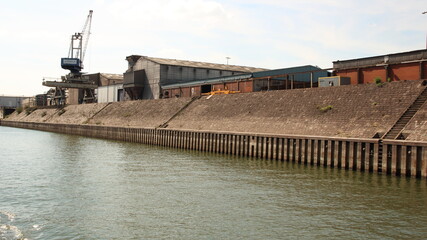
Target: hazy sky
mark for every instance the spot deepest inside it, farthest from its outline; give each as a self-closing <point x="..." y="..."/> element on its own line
<point x="34" y="35"/>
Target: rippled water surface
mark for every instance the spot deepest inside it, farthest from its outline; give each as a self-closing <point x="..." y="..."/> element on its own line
<point x="55" y="186"/>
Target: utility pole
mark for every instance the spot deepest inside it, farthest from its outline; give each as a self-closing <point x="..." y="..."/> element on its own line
<point x="227" y="59"/>
<point x="426" y="33"/>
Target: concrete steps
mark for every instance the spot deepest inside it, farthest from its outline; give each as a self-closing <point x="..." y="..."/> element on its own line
<point x="394" y="132"/>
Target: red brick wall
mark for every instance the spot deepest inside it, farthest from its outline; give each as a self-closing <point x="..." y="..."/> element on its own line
<point x="218" y="87"/>
<point x="352" y="74"/>
<point x="196" y="91"/>
<point x="405" y="72"/>
<point x="232" y="86"/>
<point x="246" y="86"/>
<point x="175" y="92"/>
<point x="369" y="74"/>
<point x="186" y="92"/>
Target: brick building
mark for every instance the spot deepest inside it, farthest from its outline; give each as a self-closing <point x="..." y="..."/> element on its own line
<point x="391" y="67"/>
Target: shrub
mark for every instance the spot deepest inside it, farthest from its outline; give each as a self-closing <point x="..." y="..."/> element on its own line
<point x="325" y="108"/>
<point x="378" y="82"/>
<point x="19" y="110"/>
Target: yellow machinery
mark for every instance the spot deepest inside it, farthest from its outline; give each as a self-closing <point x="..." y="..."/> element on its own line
<point x="219" y="92"/>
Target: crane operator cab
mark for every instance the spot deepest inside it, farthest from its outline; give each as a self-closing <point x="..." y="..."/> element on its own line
<point x="72" y="64"/>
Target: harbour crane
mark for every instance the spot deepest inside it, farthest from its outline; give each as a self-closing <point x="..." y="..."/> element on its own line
<point x="77" y="51"/>
<point x="74" y="63"/>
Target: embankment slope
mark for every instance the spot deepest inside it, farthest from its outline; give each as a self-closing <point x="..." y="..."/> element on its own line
<point x="148" y="113"/>
<point x="73" y="114"/>
<point x="129" y="114"/>
<point x="348" y="111"/>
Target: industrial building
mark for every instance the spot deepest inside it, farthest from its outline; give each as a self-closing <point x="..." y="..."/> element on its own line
<point x="8" y="104"/>
<point x="111" y="93"/>
<point x="154" y="78"/>
<point x="279" y="79"/>
<point x="145" y="76"/>
<point x="100" y="80"/>
<point x="391" y="67"/>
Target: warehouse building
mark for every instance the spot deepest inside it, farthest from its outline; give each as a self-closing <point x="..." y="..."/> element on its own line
<point x="146" y="75"/>
<point x="391" y="67"/>
<point x="279" y="79"/>
<point x="8" y="104"/>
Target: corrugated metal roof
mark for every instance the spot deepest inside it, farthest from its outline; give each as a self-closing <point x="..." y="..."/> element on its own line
<point x="302" y="73"/>
<point x="393" y="58"/>
<point x="186" y="63"/>
<point x="112" y="76"/>
<point x="286" y="71"/>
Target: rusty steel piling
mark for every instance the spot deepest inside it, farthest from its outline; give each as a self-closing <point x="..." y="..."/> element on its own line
<point x="394" y="157"/>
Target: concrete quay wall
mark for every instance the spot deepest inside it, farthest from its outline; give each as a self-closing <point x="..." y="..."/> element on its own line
<point x="359" y="111"/>
<point x="401" y="158"/>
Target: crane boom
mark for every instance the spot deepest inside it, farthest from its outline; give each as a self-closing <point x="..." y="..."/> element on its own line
<point x="86" y="32"/>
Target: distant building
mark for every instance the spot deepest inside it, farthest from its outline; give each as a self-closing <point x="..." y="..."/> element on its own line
<point x="146" y="75"/>
<point x="393" y="67"/>
<point x="8" y="104"/>
<point x="11" y="101"/>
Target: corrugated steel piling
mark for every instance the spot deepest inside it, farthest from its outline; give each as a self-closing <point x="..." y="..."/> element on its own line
<point x="394" y="157"/>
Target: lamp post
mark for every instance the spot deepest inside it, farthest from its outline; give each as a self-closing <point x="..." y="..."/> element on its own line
<point x="230" y="57"/>
<point x="426" y="33"/>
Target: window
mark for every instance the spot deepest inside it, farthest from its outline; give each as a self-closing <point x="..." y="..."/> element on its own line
<point x="206" y="88"/>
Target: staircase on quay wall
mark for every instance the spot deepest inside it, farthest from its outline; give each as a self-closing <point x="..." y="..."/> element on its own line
<point x="394" y="132"/>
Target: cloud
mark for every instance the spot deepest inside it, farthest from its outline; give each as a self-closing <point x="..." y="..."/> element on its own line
<point x="259" y="33"/>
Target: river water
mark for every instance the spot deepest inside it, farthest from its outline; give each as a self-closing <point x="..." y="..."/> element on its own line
<point x="55" y="186"/>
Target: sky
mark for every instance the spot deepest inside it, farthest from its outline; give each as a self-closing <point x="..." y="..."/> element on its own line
<point x="272" y="34"/>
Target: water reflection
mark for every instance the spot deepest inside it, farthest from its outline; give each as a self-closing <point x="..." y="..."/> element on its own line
<point x="84" y="188"/>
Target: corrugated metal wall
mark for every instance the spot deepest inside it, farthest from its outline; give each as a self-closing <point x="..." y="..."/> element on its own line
<point x="177" y="74"/>
<point x="152" y="80"/>
<point x="109" y="93"/>
<point x="11" y="102"/>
